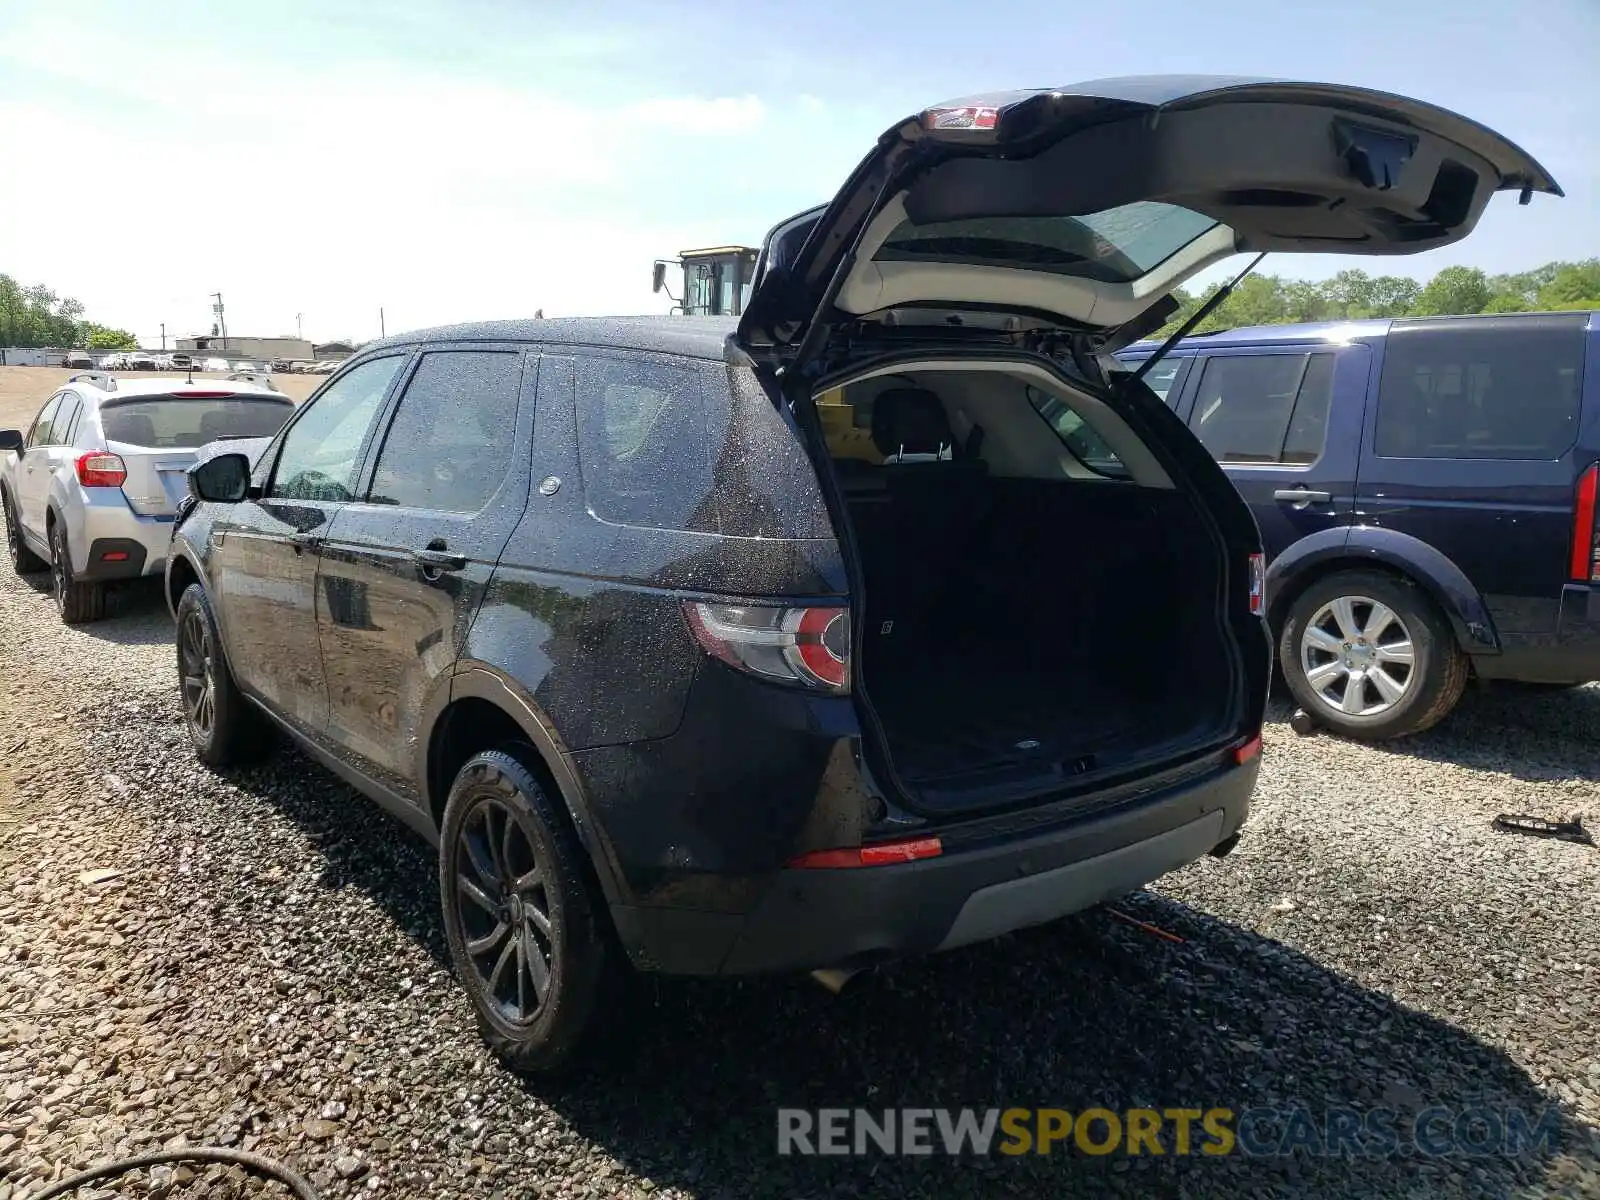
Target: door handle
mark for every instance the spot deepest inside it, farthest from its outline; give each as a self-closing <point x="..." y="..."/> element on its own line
<point x="305" y="541"/>
<point x="1300" y="497"/>
<point x="435" y="561"/>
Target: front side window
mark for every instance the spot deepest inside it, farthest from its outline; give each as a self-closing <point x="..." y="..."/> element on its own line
<point x="1481" y="387"/>
<point x="449" y="446"/>
<point x="321" y="452"/>
<point x="1264" y="408"/>
<point x="41" y="432"/>
<point x="642" y="437"/>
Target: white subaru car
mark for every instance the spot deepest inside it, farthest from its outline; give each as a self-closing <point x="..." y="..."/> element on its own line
<point x="91" y="489"/>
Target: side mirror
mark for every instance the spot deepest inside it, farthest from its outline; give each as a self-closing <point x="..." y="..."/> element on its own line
<point x="224" y="479"/>
<point x="658" y="277"/>
<point x="11" y="439"/>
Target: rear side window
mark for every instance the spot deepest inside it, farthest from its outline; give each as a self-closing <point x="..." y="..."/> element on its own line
<point x="180" y="422"/>
<point x="66" y="421"/>
<point x="1481" y="387"/>
<point x="1264" y="408"/>
<point x="1076" y="434"/>
<point x="450" y="444"/>
<point x="642" y="436"/>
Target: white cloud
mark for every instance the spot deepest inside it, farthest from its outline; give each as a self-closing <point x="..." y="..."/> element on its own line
<point x="331" y="191"/>
<point x="693" y="115"/>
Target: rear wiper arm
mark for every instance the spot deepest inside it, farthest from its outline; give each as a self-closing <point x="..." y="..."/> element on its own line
<point x="1200" y="314"/>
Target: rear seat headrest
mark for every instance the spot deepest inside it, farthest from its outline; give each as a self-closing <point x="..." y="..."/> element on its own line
<point x="910" y="421"/>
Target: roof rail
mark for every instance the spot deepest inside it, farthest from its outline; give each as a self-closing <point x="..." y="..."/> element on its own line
<point x="255" y="377"/>
<point x="100" y="379"/>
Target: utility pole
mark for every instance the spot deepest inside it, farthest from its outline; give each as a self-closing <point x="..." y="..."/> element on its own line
<point x="222" y="321"/>
<point x="381" y="332"/>
<point x="163" y="337"/>
<point x="299" y="330"/>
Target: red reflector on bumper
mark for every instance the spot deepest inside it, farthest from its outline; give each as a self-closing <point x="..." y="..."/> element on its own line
<point x="879" y="855"/>
<point x="1243" y="754"/>
<point x="114" y="556"/>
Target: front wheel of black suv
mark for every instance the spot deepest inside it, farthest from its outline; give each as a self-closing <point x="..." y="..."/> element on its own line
<point x="522" y="922"/>
<point x="23" y="560"/>
<point x="1370" y="656"/>
<point x="223" y="727"/>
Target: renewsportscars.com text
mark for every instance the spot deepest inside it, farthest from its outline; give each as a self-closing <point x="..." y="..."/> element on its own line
<point x="1434" y="1132"/>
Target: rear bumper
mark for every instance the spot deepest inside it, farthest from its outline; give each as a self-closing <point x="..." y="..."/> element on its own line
<point x="811" y="919"/>
<point x="105" y="525"/>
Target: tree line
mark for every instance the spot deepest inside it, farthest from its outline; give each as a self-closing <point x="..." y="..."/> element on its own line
<point x="1351" y="295"/>
<point x="33" y="315"/>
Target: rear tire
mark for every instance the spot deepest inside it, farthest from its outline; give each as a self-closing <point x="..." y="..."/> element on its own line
<point x="1368" y="655"/>
<point x="224" y="728"/>
<point x="76" y="601"/>
<point x="23" y="560"/>
<point x="525" y="928"/>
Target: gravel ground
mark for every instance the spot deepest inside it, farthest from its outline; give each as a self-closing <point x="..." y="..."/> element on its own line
<point x="265" y="970"/>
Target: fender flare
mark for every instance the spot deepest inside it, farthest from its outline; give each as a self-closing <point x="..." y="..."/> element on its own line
<point x="477" y="681"/>
<point x="1356" y="546"/>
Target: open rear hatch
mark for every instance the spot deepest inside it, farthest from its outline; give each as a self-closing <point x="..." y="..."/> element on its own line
<point x="1026" y="621"/>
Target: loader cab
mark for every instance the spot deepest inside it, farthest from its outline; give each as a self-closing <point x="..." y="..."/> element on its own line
<point x="716" y="281"/>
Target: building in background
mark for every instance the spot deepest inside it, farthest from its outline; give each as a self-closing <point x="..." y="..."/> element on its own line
<point x="254" y="348"/>
<point x="334" y="350"/>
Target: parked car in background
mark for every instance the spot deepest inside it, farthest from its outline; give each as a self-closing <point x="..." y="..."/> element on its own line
<point x="666" y="660"/>
<point x="112" y="362"/>
<point x="90" y="490"/>
<point x="77" y="358"/>
<point x="139" y="360"/>
<point x="1426" y="493"/>
<point x="245" y="364"/>
<point x="216" y="364"/>
<point x="181" y="361"/>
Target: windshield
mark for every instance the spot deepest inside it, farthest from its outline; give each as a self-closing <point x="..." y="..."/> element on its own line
<point x="1115" y="246"/>
<point x="179" y="421"/>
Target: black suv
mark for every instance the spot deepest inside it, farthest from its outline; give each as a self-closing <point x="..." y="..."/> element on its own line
<point x="887" y="621"/>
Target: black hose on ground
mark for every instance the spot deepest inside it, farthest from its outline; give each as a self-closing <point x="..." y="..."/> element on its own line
<point x="254" y="1163"/>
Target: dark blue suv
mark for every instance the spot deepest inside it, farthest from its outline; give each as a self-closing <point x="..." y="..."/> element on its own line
<point x="1425" y="491"/>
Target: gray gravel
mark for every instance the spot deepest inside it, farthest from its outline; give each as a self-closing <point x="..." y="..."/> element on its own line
<point x="258" y="964"/>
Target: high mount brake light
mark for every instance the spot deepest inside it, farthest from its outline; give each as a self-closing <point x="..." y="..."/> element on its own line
<point x="99" y="469"/>
<point x="807" y="645"/>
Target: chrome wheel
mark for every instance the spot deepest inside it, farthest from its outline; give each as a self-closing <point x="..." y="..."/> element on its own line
<point x="1357" y="656"/>
<point x="504" y="910"/>
<point x="199" y="675"/>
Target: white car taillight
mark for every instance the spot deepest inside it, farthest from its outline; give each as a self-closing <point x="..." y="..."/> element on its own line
<point x="1258" y="583"/>
<point x="1585" y="528"/>
<point x="804" y="645"/>
<point x="99" y="469"/>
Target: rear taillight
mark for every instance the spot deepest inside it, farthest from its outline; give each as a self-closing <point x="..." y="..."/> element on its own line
<point x="804" y="645"/>
<point x="1258" y="583"/>
<point x="98" y="469"/>
<point x="1244" y="753"/>
<point x="1585" y="564"/>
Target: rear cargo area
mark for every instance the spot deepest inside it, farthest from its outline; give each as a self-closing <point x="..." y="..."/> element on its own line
<point x="1034" y="618"/>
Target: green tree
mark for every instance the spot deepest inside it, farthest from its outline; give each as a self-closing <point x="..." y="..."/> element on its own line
<point x="1454" y="291"/>
<point x="1571" y="284"/>
<point x="101" y="337"/>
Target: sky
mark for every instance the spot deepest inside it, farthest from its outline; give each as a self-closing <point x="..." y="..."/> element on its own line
<point x="316" y="162"/>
